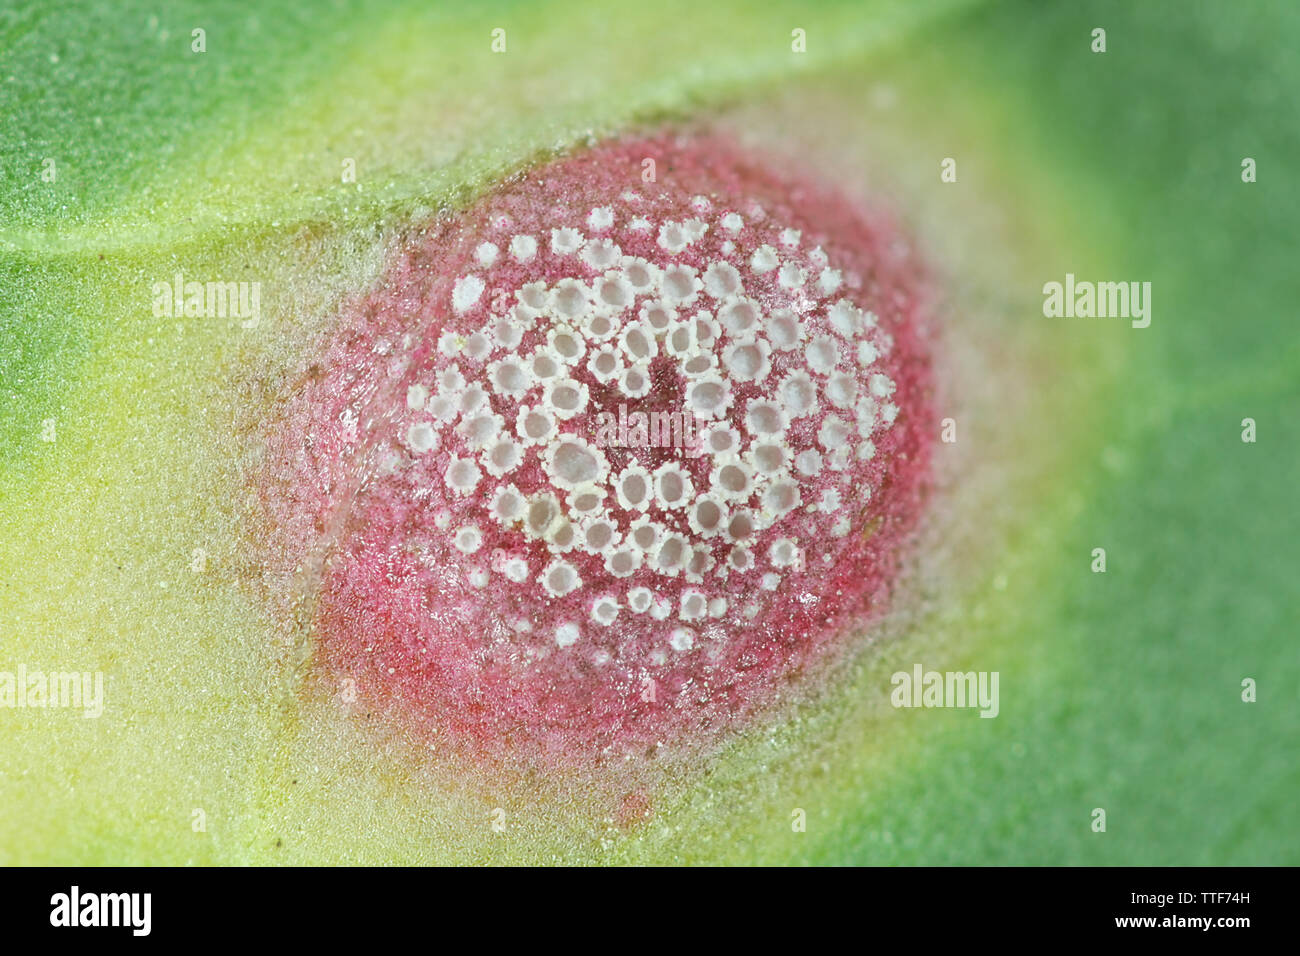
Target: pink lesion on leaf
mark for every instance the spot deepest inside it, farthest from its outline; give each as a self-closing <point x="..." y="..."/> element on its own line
<point x="366" y="518"/>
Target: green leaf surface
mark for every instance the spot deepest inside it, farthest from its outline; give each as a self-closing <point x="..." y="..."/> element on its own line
<point x="1119" y="690"/>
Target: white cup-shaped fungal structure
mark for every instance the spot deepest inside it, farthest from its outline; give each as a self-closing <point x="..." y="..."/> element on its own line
<point x="611" y="431"/>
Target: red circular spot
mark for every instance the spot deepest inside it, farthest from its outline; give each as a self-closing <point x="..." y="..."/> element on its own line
<point x="489" y="538"/>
